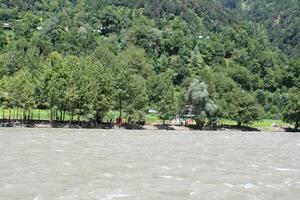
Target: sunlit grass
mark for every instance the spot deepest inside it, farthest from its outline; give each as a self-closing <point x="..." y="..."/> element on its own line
<point x="265" y="123"/>
<point x="268" y="123"/>
<point x="152" y="118"/>
<point x="17" y="114"/>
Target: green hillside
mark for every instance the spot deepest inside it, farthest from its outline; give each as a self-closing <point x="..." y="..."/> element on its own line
<point x="228" y="59"/>
<point x="280" y="18"/>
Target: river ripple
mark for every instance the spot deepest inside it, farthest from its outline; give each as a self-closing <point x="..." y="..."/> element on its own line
<point x="54" y="164"/>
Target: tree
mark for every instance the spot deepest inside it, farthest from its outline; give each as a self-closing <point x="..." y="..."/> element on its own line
<point x="162" y="95"/>
<point x="294" y="69"/>
<point x="57" y="78"/>
<point x="131" y="95"/>
<point x="98" y="89"/>
<point x="73" y="72"/>
<point x="174" y="37"/>
<point x="242" y="107"/>
<point x="202" y="105"/>
<point x="292" y="110"/>
<point x="18" y="92"/>
<point x="111" y="19"/>
<point x="136" y="60"/>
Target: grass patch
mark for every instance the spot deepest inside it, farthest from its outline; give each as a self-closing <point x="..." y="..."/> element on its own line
<point x="17" y="114"/>
<point x="152" y="118"/>
<point x="268" y="123"/>
<point x="265" y="123"/>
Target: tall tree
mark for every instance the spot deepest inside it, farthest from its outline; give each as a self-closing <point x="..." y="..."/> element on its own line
<point x="131" y="95"/>
<point x="292" y="110"/>
<point x="162" y="95"/>
<point x="98" y="88"/>
<point x="202" y="105"/>
<point x="242" y="107"/>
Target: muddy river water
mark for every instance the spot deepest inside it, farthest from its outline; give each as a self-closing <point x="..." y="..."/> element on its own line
<point x="54" y="164"/>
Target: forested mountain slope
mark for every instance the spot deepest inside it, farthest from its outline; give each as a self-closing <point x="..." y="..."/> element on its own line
<point x="281" y="18"/>
<point x="88" y="57"/>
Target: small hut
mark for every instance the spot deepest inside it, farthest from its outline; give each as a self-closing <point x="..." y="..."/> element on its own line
<point x="6" y="26"/>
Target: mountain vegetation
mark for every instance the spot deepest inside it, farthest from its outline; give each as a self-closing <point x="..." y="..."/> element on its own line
<point x="234" y="59"/>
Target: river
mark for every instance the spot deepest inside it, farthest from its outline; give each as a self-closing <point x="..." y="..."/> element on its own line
<point x="55" y="164"/>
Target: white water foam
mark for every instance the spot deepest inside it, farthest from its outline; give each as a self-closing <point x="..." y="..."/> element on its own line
<point x="114" y="196"/>
<point x="165" y="167"/>
<point x="283" y="169"/>
<point x="248" y="186"/>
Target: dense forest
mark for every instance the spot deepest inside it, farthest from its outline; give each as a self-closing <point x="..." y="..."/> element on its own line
<point x="232" y="59"/>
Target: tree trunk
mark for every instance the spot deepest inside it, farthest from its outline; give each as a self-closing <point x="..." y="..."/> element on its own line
<point x="24" y="117"/>
<point x="64" y="115"/>
<point x="17" y="114"/>
<point x="9" y="115"/>
<point x="3" y="113"/>
<point x="239" y="124"/>
<point x="30" y="116"/>
<point x="78" y="120"/>
<point x="97" y="117"/>
<point x="120" y="109"/>
<point x="56" y="115"/>
<point x="61" y="114"/>
<point x="72" y="115"/>
<point x="199" y="123"/>
<point x="13" y="115"/>
<point x="50" y="115"/>
<point x="297" y="124"/>
<point x="129" y="120"/>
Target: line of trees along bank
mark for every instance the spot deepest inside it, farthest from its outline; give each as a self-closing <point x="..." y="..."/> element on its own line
<point x="90" y="87"/>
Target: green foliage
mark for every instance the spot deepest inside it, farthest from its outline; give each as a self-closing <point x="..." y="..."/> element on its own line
<point x="3" y="41"/>
<point x="292" y="109"/>
<point x="162" y="95"/>
<point x="242" y="107"/>
<point x="18" y="91"/>
<point x="131" y="95"/>
<point x="90" y="58"/>
<point x="98" y="88"/>
<point x="202" y="105"/>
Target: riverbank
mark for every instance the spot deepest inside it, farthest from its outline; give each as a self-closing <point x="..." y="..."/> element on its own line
<point x="91" y="125"/>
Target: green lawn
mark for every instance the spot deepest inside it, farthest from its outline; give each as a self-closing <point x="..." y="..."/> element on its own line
<point x="268" y="123"/>
<point x="45" y="115"/>
<point x="15" y="114"/>
<point x="37" y="114"/>
<point x="151" y="119"/>
<point x="265" y="123"/>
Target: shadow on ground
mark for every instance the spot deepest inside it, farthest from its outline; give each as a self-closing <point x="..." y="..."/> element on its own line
<point x="165" y="127"/>
<point x="291" y="130"/>
<point x="223" y="127"/>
